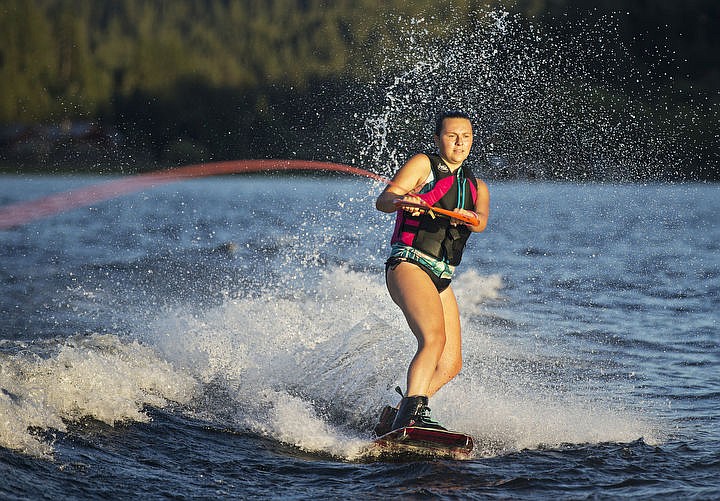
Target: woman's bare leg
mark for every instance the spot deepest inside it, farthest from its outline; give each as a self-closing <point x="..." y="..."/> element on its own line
<point x="416" y="295"/>
<point x="450" y="362"/>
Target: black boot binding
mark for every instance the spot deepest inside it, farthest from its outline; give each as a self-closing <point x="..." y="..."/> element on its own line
<point x="387" y="417"/>
<point x="414" y="411"/>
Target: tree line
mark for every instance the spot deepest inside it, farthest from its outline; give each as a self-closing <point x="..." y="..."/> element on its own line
<point x="166" y="82"/>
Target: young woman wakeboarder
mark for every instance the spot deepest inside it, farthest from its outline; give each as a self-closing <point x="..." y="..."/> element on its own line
<point x="426" y="248"/>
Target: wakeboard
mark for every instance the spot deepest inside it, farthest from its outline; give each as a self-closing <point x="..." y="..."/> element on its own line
<point x="413" y="440"/>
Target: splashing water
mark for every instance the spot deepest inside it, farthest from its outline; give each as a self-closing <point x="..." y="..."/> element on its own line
<point x="45" y="385"/>
<point x="544" y="104"/>
<point x="282" y="365"/>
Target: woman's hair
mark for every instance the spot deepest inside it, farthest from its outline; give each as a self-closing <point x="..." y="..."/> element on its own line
<point x="448" y="114"/>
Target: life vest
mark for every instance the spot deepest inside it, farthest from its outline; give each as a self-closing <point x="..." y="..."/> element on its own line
<point x="435" y="235"/>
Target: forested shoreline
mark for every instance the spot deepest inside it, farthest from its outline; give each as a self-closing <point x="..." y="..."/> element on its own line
<point x="128" y="85"/>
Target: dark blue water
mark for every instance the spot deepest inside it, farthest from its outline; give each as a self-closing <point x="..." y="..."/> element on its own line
<point x="232" y="338"/>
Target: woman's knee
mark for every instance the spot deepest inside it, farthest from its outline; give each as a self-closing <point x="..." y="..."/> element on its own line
<point x="434" y="341"/>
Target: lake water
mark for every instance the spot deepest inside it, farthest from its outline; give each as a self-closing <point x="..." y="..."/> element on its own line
<point x="232" y="338"/>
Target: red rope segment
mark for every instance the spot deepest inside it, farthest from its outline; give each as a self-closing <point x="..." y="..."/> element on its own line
<point x="20" y="213"/>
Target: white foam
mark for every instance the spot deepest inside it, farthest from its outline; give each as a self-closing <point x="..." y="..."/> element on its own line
<point x="286" y="355"/>
<point x="294" y="421"/>
<point x="312" y="369"/>
<point x="97" y="376"/>
<point x="511" y="416"/>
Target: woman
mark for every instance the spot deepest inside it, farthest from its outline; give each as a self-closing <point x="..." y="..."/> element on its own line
<point x="425" y="251"/>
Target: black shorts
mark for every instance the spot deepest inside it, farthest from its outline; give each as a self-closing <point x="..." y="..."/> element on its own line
<point x="440" y="283"/>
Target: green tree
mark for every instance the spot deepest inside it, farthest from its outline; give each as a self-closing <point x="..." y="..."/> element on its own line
<point x="27" y="61"/>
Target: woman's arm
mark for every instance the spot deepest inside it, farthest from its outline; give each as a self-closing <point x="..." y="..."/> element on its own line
<point x="482" y="206"/>
<point x="410" y="178"/>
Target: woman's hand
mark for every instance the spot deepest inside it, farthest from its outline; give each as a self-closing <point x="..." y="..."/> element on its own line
<point x="468" y="214"/>
<point x="409" y="203"/>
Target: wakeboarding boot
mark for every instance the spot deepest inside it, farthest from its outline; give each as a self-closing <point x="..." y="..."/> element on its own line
<point x="387" y="417"/>
<point x="414" y="411"/>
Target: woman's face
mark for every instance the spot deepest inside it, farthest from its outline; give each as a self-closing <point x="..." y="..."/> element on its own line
<point x="455" y="140"/>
